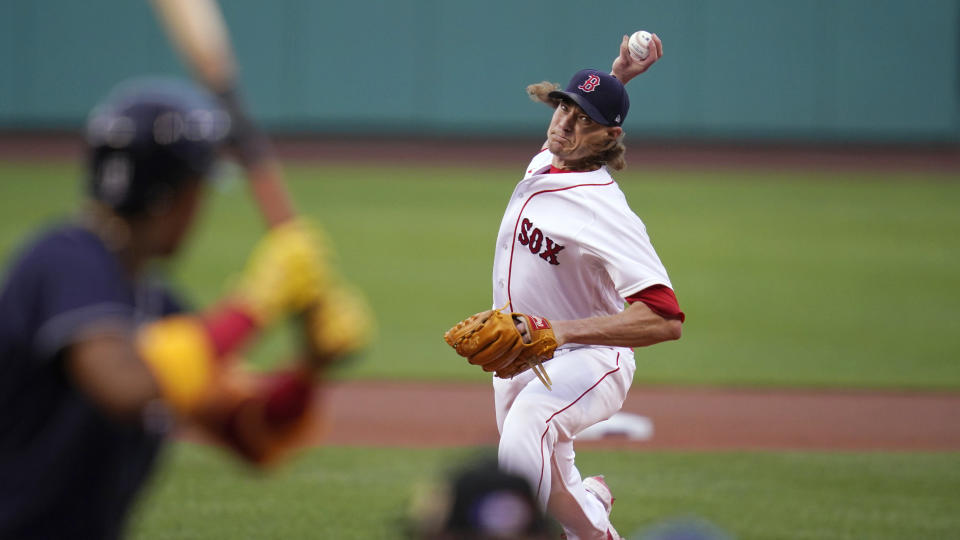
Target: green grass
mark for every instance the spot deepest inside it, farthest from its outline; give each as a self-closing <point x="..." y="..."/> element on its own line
<point x="793" y="279"/>
<point x="787" y="279"/>
<point x="348" y="493"/>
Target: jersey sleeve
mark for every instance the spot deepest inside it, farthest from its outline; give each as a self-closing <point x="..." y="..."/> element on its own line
<point x="81" y="289"/>
<point x="619" y="240"/>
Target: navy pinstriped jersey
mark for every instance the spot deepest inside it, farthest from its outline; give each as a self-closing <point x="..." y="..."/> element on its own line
<point x="66" y="470"/>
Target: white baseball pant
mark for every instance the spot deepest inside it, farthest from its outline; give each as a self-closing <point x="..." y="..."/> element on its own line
<point x="538" y="426"/>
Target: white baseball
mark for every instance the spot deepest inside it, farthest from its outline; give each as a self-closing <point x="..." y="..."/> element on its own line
<point x="639" y="45"/>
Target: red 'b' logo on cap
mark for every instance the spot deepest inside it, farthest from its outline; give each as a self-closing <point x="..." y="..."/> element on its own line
<point x="590" y="84"/>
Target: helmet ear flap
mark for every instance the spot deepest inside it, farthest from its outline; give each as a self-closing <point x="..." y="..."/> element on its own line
<point x="111" y="179"/>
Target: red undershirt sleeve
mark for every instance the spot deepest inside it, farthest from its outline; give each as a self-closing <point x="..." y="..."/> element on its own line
<point x="661" y="300"/>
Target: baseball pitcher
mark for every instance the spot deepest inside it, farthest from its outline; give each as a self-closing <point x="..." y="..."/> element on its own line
<point x="570" y="254"/>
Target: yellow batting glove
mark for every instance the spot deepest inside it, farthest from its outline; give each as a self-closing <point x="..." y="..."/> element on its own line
<point x="339" y="325"/>
<point x="285" y="273"/>
<point x="178" y="352"/>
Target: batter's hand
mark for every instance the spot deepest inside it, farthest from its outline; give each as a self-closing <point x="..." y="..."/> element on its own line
<point x="626" y="68"/>
<point x="260" y="417"/>
<point x="285" y="274"/>
<point x="338" y="326"/>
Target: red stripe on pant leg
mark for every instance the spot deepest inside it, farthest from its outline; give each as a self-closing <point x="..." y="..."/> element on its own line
<point x="540" y="482"/>
<point x="552" y="416"/>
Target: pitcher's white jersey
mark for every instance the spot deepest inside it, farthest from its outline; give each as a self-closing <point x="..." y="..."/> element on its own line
<point x="570" y="247"/>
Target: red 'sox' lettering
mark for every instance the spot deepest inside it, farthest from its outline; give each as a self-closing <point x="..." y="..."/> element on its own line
<point x="535" y="239"/>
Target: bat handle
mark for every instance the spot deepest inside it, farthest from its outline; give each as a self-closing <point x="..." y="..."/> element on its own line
<point x="263" y="169"/>
<point x="270" y="192"/>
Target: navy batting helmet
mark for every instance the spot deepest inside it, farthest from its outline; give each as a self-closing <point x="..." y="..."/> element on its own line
<point x="147" y="138"/>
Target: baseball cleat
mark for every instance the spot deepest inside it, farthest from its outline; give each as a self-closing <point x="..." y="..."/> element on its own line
<point x="597" y="487"/>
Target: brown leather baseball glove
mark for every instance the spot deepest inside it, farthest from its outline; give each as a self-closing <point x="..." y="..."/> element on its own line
<point x="490" y="339"/>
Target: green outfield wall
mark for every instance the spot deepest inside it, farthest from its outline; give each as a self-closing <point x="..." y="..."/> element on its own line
<point x="810" y="70"/>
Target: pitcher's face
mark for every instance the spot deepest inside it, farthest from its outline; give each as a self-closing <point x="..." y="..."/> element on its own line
<point x="573" y="135"/>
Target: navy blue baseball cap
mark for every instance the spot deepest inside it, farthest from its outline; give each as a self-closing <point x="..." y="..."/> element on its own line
<point x="599" y="94"/>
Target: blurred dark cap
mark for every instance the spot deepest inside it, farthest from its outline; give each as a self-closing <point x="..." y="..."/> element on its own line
<point x="490" y="503"/>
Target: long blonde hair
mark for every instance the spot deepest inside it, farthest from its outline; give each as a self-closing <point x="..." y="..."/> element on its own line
<point x="609" y="152"/>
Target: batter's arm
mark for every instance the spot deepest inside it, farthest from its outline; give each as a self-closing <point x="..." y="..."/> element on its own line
<point x="105" y="367"/>
<point x="174" y="359"/>
<point x="636" y="326"/>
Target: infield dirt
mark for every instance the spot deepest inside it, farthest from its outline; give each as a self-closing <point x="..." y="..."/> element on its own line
<point x="418" y="414"/>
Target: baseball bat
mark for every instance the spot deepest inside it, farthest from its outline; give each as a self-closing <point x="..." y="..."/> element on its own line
<point x="198" y="31"/>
